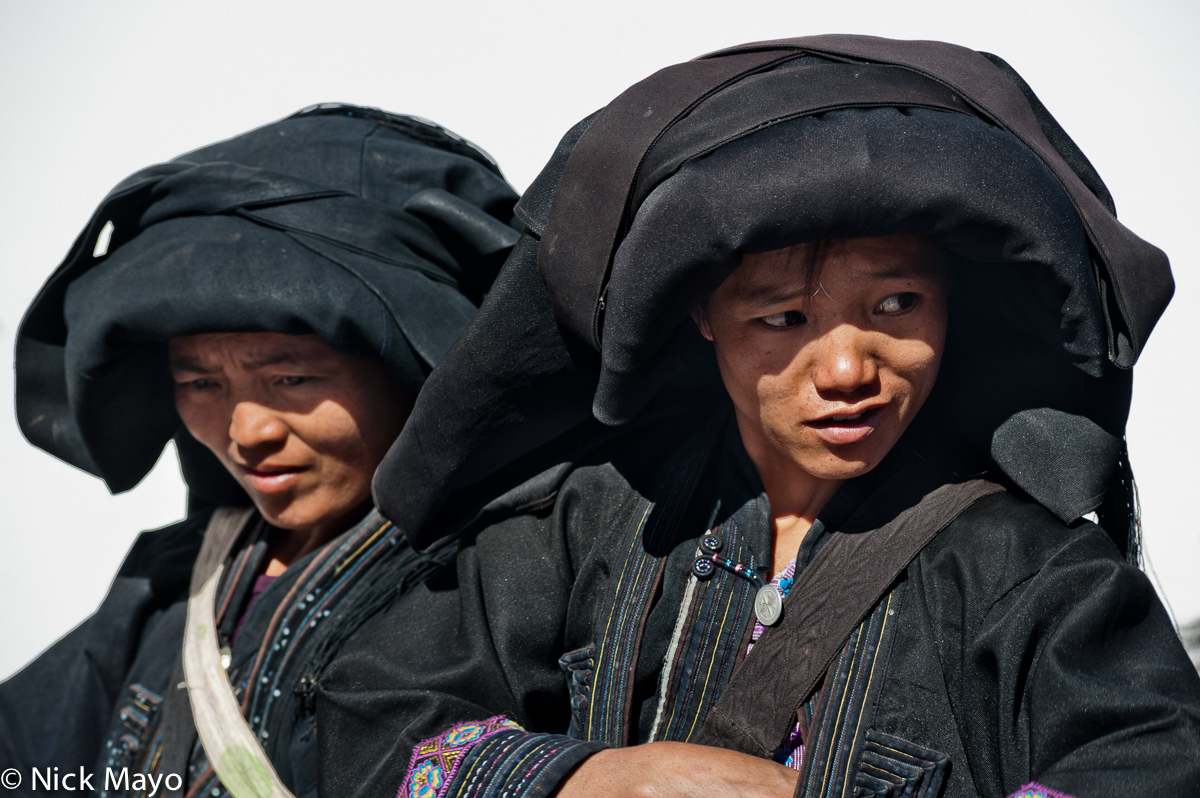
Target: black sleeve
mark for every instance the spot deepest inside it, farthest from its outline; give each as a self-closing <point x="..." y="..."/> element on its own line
<point x="1068" y="674"/>
<point x="461" y="678"/>
<point x="54" y="712"/>
<point x="1113" y="701"/>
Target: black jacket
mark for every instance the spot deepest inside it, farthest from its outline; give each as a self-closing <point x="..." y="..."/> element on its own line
<point x="1013" y="649"/>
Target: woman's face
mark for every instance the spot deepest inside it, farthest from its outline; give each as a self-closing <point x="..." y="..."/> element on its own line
<point x="826" y="377"/>
<point x="300" y="426"/>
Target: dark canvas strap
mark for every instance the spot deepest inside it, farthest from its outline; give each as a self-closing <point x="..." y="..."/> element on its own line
<point x="846" y="579"/>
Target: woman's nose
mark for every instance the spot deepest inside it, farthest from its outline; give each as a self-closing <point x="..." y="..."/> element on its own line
<point x="845" y="361"/>
<point x="253" y="425"/>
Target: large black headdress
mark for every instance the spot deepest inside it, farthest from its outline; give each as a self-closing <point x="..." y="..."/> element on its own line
<point x="649" y="205"/>
<point x="380" y="233"/>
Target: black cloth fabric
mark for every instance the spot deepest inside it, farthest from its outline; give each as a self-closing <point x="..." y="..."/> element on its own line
<point x="378" y="232"/>
<point x="562" y="444"/>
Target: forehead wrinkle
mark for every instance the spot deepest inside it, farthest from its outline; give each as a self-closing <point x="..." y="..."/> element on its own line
<point x="275" y="359"/>
<point x="189" y="363"/>
<point x="762" y="296"/>
<point x="767" y="281"/>
<point x="211" y="355"/>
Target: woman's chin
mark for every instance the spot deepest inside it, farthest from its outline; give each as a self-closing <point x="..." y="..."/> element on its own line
<point x="293" y="516"/>
<point x="308" y="514"/>
<point x="841" y="466"/>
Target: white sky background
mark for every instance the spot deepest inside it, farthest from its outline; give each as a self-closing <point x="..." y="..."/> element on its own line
<point x="92" y="91"/>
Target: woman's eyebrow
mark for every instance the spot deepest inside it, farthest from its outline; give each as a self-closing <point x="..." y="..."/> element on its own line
<point x="897" y="272"/>
<point x="277" y="359"/>
<point x="185" y="363"/>
<point x="762" y="296"/>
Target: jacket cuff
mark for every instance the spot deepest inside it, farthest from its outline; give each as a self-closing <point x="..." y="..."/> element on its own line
<point x="492" y="757"/>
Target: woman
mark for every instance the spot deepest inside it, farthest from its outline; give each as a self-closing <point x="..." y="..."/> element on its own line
<point x="273" y="303"/>
<point x="825" y="357"/>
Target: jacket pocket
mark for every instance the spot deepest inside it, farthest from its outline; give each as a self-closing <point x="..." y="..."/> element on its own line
<point x="891" y="767"/>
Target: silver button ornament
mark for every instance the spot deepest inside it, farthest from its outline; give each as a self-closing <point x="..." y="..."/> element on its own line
<point x="768" y="605"/>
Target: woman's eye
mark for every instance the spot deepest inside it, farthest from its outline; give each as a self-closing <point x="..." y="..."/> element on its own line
<point x="789" y="318"/>
<point x="897" y="303"/>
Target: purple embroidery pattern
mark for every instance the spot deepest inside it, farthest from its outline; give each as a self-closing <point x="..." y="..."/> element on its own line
<point x="1035" y="790"/>
<point x="792" y="753"/>
<point x="435" y="761"/>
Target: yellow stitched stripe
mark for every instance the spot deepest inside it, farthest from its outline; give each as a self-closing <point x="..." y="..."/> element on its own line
<point x="841" y="709"/>
<point x="866" y="690"/>
<point x="602" y="654"/>
<point x="366" y="543"/>
<point x="712" y="660"/>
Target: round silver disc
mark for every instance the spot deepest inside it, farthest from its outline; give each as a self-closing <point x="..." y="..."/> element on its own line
<point x="768" y="604"/>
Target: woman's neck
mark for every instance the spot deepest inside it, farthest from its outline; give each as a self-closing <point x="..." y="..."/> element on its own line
<point x="796" y="496"/>
<point x="290" y="545"/>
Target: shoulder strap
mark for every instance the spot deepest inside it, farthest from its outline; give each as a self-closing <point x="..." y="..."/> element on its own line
<point x="833" y="594"/>
<point x="232" y="749"/>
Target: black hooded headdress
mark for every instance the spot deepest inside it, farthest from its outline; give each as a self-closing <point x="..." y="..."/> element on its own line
<point x="379" y="233"/>
<point x="648" y="205"/>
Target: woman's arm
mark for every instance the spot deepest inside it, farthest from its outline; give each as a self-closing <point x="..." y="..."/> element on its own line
<point x="677" y="770"/>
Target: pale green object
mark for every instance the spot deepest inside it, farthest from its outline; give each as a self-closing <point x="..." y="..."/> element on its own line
<point x="233" y="750"/>
<point x="243" y="774"/>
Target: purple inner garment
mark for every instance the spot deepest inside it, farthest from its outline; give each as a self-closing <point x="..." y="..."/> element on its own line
<point x="260" y="584"/>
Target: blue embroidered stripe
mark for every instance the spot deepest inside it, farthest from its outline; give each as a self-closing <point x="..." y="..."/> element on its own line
<point x="711" y="645"/>
<point x="607" y="715"/>
<point x="519" y="765"/>
<point x="836" y="736"/>
<point x="317" y="597"/>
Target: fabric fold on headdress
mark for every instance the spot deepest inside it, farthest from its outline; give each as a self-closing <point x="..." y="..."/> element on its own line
<point x="379" y="233"/>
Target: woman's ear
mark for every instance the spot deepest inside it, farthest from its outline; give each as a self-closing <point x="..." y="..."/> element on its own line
<point x="700" y="316"/>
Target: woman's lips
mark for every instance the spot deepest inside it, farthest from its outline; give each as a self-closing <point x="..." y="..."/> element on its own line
<point x="273" y="480"/>
<point x="849" y="427"/>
